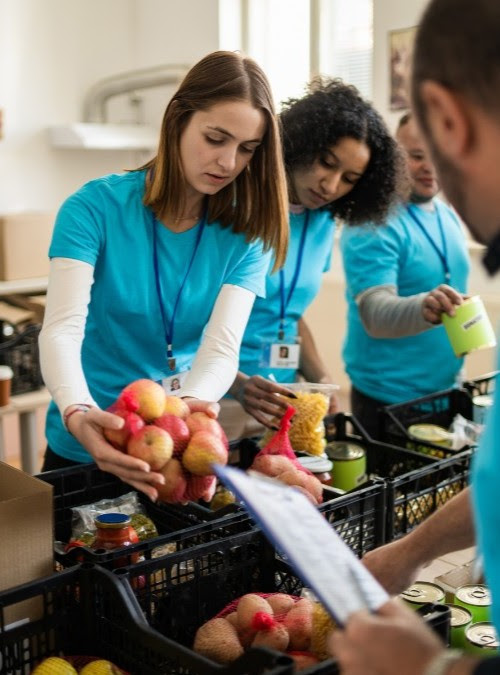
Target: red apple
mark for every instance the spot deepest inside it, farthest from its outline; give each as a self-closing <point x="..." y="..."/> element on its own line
<point x="119" y="437"/>
<point x="200" y="421"/>
<point x="178" y="429"/>
<point x="173" y="491"/>
<point x="200" y="487"/>
<point x="176" y="406"/>
<point x="145" y="397"/>
<point x="203" y="450"/>
<point x="153" y="445"/>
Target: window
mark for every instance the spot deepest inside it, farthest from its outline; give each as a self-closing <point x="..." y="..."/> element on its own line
<point x="295" y="39"/>
<point x="346" y="41"/>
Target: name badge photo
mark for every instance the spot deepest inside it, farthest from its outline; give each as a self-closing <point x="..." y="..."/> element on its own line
<point x="173" y="384"/>
<point x="284" y="355"/>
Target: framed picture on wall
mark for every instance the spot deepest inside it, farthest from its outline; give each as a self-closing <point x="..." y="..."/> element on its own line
<point x="400" y="55"/>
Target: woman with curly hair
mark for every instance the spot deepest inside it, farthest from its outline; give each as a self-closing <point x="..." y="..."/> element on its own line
<point x="341" y="162"/>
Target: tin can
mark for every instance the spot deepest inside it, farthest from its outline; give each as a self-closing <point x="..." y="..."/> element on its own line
<point x="460" y="620"/>
<point x="349" y="464"/>
<point x="481" y="404"/>
<point x="481" y="638"/>
<point x="470" y="328"/>
<point x="422" y="592"/>
<point x="477" y="599"/>
<point x="429" y="433"/>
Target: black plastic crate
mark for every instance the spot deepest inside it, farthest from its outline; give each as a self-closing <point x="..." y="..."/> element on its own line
<point x="414" y="496"/>
<point x="20" y="352"/>
<point x="439" y="408"/>
<point x="382" y="460"/>
<point x="416" y="484"/>
<point x="481" y="385"/>
<point x="181" y="591"/>
<point x="178" y="527"/>
<point x="359" y="517"/>
<point x="87" y="611"/>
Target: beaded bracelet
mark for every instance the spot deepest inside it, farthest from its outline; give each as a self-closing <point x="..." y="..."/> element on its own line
<point x="79" y="407"/>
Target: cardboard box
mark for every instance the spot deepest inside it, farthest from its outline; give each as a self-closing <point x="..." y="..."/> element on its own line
<point x="27" y="531"/>
<point x="24" y="245"/>
<point x="451" y="581"/>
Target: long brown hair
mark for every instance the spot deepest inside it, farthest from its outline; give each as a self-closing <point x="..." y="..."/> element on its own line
<point x="256" y="201"/>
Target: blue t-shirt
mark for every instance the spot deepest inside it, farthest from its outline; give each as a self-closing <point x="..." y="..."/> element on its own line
<point x="400" y="254"/>
<point x="485" y="472"/>
<point x="106" y="224"/>
<point x="264" y="322"/>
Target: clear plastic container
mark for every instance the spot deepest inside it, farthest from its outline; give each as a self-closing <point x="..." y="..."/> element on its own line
<point x="311" y="387"/>
<point x="307" y="433"/>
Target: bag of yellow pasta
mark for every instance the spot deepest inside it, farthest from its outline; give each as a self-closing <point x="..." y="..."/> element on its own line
<point x="307" y="433"/>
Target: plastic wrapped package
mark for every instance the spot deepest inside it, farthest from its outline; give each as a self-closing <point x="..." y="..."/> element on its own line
<point x="307" y="433"/>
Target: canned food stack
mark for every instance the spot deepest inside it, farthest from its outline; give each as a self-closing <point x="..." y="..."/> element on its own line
<point x="470" y="627"/>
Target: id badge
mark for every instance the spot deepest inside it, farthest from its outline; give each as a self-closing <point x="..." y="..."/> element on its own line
<point x="280" y="355"/>
<point x="173" y="384"/>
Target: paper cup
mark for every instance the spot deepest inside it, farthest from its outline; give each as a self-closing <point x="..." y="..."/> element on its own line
<point x="6" y="376"/>
<point x="470" y="328"/>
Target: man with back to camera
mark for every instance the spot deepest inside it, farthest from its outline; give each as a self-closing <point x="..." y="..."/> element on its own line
<point x="399" y="278"/>
<point x="457" y="105"/>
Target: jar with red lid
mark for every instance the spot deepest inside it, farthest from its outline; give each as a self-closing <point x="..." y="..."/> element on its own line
<point x="113" y="530"/>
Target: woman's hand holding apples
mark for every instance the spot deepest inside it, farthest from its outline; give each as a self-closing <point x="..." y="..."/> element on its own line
<point x="88" y="429"/>
<point x="162" y="445"/>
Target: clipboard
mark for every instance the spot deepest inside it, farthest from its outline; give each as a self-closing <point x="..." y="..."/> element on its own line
<point x="315" y="551"/>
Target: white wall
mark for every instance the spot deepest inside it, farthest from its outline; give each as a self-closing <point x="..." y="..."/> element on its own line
<point x="389" y="15"/>
<point x="52" y="52"/>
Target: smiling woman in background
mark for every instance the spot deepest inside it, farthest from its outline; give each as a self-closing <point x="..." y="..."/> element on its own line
<point x="341" y="162"/>
<point x="154" y="272"/>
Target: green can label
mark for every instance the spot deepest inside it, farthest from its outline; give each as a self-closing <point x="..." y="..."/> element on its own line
<point x="477" y="599"/>
<point x="460" y="620"/>
<point x="481" y="638"/>
<point x="349" y="464"/>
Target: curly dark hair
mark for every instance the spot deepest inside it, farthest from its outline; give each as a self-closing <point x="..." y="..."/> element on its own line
<point x="332" y="110"/>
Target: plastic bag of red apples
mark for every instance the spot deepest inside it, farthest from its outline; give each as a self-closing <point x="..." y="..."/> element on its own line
<point x="278" y="460"/>
<point x="162" y="431"/>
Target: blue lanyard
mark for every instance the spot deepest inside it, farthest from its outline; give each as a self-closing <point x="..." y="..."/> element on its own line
<point x="285" y="301"/>
<point x="169" y="326"/>
<point x="443" y="254"/>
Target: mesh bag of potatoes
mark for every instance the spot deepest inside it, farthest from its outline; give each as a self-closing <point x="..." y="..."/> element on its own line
<point x="278" y="460"/>
<point x="297" y="626"/>
<point x="311" y="403"/>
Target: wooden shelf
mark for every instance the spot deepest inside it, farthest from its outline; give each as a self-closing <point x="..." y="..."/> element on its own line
<point x="23" y="403"/>
<point x="35" y="285"/>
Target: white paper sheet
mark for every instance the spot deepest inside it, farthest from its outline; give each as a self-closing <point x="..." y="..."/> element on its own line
<point x="313" y="548"/>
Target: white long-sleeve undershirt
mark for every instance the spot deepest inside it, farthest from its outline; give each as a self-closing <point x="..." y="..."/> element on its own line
<point x="70" y="281"/>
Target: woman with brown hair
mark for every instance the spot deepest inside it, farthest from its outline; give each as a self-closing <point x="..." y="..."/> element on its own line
<point x="154" y="271"/>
